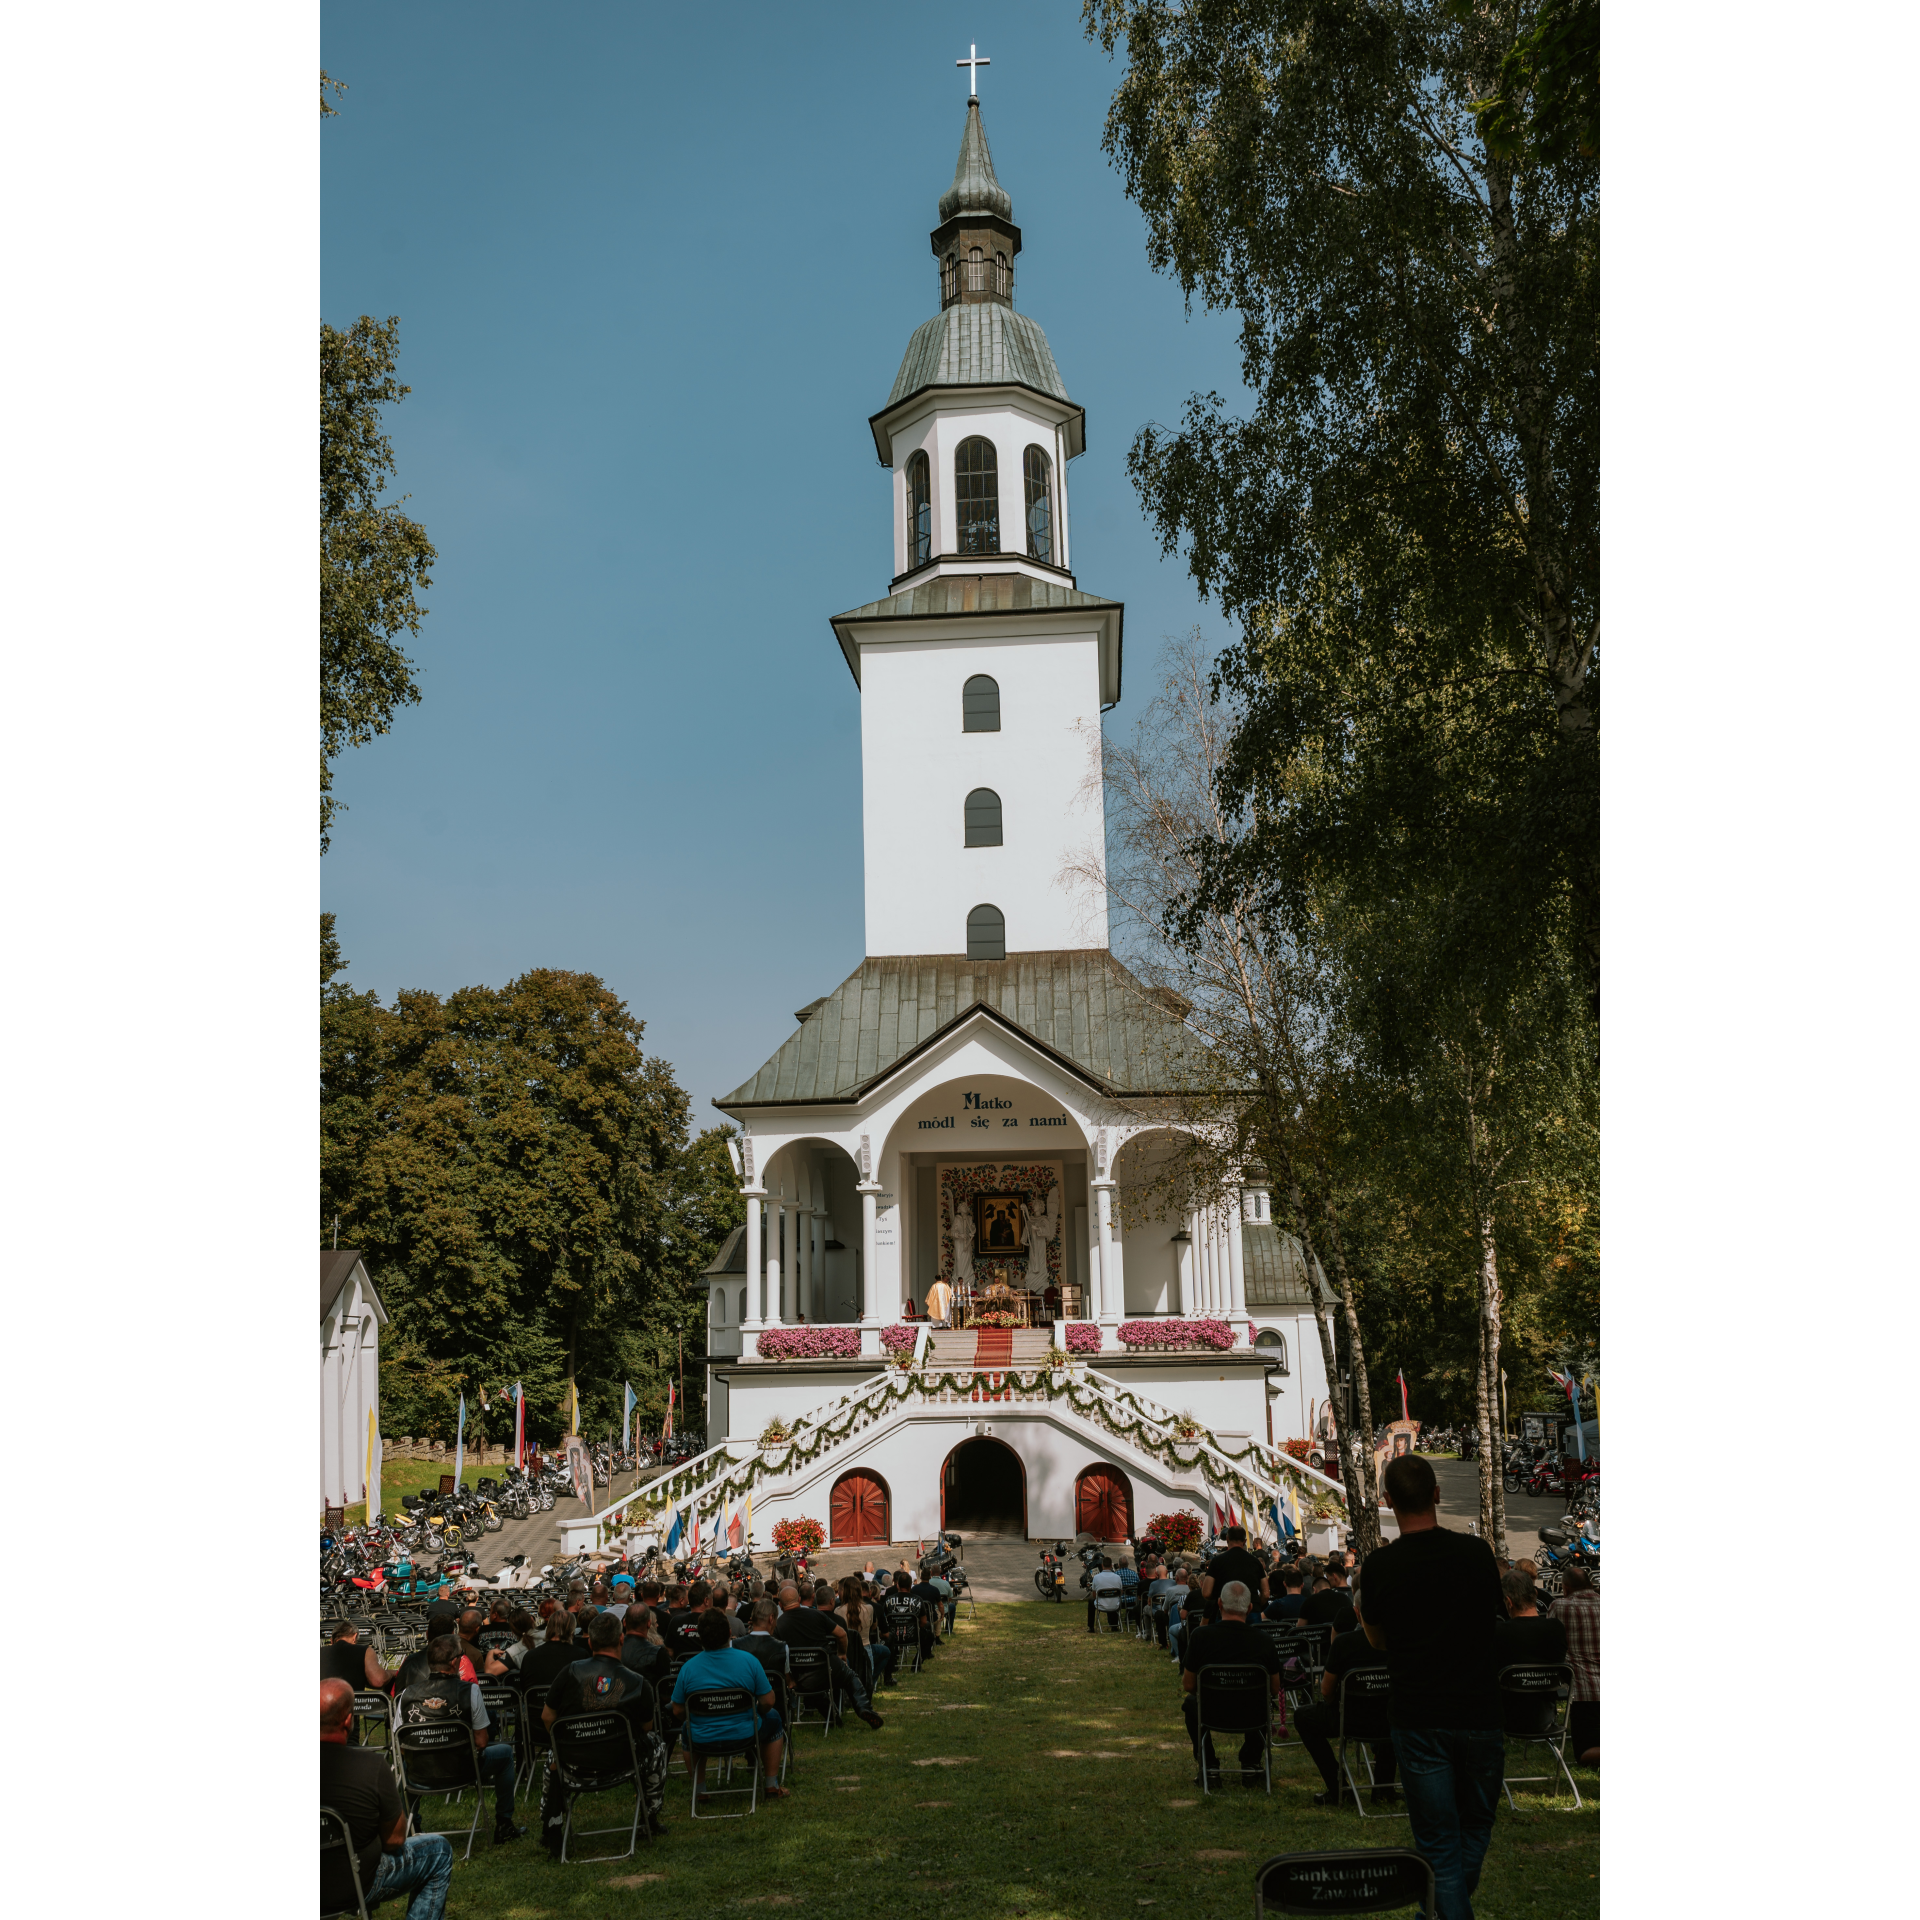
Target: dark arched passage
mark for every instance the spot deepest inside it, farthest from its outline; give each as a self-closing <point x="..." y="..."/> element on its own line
<point x="983" y="1489"/>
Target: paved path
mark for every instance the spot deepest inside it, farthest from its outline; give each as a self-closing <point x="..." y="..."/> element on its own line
<point x="1460" y="1502"/>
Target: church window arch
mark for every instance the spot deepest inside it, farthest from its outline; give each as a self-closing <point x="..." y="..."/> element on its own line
<point x="1001" y="284"/>
<point x="980" y="704"/>
<point x="1039" y="475"/>
<point x="1274" y="1343"/>
<point x="986" y="934"/>
<point x="976" y="477"/>
<point x="743" y="1304"/>
<point x="976" y="272"/>
<point x="983" y="818"/>
<point x="919" y="511"/>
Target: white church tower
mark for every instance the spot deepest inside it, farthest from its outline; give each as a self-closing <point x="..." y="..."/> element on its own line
<point x="984" y="672"/>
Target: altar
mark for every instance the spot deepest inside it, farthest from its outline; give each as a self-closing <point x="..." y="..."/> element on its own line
<point x="1027" y="1309"/>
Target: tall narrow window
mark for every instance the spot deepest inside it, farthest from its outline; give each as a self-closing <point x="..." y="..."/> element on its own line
<point x="976" y="491"/>
<point x="1000" y="281"/>
<point x="980" y="705"/>
<point x="919" y="511"/>
<point x="1039" y="505"/>
<point x="976" y="272"/>
<point x="983" y="818"/>
<point x="949" y="280"/>
<point x="986" y="934"/>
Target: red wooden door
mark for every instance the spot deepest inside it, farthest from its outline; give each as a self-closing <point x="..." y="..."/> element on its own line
<point x="1103" y="1504"/>
<point x="858" y="1511"/>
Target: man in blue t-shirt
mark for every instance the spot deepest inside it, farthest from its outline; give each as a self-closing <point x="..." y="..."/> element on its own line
<point x="719" y="1664"/>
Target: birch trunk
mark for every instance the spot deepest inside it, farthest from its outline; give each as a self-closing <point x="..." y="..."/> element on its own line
<point x="1493" y="1497"/>
<point x="1356" y="1362"/>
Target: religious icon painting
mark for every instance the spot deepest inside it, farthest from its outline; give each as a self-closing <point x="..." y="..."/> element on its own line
<point x="1000" y="1223"/>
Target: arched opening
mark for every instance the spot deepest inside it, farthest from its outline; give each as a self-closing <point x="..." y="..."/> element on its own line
<point x="1274" y="1343"/>
<point x="986" y="934"/>
<point x="980" y="704"/>
<point x="1039" y="476"/>
<point x="949" y="281"/>
<point x="1103" y="1503"/>
<point x="976" y="495"/>
<point x="976" y="272"/>
<point x="983" y="822"/>
<point x="919" y="511"/>
<point x="1002" y="283"/>
<point x="983" y="1488"/>
<point x="859" y="1510"/>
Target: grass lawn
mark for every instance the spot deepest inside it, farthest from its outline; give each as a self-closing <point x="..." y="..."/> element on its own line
<point x="1031" y="1770"/>
<point x="409" y="1476"/>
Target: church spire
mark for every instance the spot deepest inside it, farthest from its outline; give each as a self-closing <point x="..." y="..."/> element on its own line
<point x="976" y="239"/>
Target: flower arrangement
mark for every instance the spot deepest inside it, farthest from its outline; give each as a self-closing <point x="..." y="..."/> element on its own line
<point x="809" y="1343"/>
<point x="996" y="1319"/>
<point x="898" y="1339"/>
<point x="799" y="1536"/>
<point x="1177" y="1532"/>
<point x="1186" y="1426"/>
<point x="1301" y="1450"/>
<point x="1176" y="1333"/>
<point x="776" y="1433"/>
<point x="1082" y="1337"/>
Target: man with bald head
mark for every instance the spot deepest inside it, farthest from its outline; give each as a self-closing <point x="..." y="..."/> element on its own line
<point x="801" y="1625"/>
<point x="1227" y="1641"/>
<point x="358" y="1784"/>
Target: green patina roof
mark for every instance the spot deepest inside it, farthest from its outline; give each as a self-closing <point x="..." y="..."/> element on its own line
<point x="977" y="593"/>
<point x="984" y="345"/>
<point x="976" y="187"/>
<point x="1276" y="1268"/>
<point x="1081" y="1006"/>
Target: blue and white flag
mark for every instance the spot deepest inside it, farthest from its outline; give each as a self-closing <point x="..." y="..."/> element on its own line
<point x="676" y="1529"/>
<point x="460" y="1442"/>
<point x="626" y="1418"/>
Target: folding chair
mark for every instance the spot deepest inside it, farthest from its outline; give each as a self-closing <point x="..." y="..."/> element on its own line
<point x="438" y="1759"/>
<point x="810" y="1679"/>
<point x="1234" y="1699"/>
<point x="502" y="1703"/>
<point x="1345" y="1880"/>
<point x="1364" y="1722"/>
<point x="593" y="1752"/>
<point x="1530" y="1711"/>
<point x="533" y="1733"/>
<point x="371" y="1710"/>
<point x="903" y="1635"/>
<point x="717" y="1703"/>
<point x="783" y="1699"/>
<point x="336" y="1840"/>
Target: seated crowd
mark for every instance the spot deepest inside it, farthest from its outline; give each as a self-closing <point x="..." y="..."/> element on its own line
<point x="647" y="1650"/>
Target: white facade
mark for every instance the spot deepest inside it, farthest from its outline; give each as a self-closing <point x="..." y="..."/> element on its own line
<point x="351" y="1316"/>
<point x="918" y="767"/>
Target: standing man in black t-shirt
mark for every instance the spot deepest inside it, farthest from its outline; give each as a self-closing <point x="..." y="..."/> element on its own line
<point x="1234" y="1563"/>
<point x="358" y="1784"/>
<point x="1432" y="1599"/>
<point x="1229" y="1640"/>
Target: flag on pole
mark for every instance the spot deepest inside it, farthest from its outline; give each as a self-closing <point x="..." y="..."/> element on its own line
<point x="626" y="1416"/>
<point x="519" y="1426"/>
<point x="666" y="1432"/>
<point x="749" y="1516"/>
<point x="1404" y="1414"/>
<point x="676" y="1529"/>
<point x="736" y="1528"/>
<point x="373" y="1462"/>
<point x="1573" y="1393"/>
<point x="460" y="1441"/>
<point x="573" y="1411"/>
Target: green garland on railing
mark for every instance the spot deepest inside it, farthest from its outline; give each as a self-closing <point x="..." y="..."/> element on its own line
<point x="813" y="1437"/>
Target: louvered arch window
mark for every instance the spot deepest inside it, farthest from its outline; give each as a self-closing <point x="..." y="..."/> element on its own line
<point x="976" y="496"/>
<point x="919" y="511"/>
<point x="1039" y="476"/>
<point x="983" y="818"/>
<point x="980" y="704"/>
<point x="986" y="934"/>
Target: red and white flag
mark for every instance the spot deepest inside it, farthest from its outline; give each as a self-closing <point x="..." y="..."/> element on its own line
<point x="735" y="1531"/>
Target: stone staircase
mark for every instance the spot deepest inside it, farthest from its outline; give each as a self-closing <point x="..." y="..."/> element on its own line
<point x="1031" y="1346"/>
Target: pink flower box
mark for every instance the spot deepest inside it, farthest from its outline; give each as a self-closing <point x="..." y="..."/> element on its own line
<point x="1215" y="1334"/>
<point x="809" y="1343"/>
<point x="1082" y="1337"/>
<point x="898" y="1339"/>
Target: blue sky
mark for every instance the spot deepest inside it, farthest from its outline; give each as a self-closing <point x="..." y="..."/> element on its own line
<point x="654" y="268"/>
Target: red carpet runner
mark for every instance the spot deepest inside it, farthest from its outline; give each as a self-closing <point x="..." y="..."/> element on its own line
<point x="994" y="1348"/>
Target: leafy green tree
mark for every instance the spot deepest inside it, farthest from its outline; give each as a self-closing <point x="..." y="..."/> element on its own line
<point x="374" y="559"/>
<point x="1408" y="519"/>
<point x="518" y="1173"/>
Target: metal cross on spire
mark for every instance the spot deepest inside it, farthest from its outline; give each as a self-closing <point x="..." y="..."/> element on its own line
<point x="973" y="62"/>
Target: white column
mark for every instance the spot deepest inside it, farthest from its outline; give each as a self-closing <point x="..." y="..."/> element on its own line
<point x="1209" y="1268"/>
<point x="1182" y="1302"/>
<point x="871" y="1320"/>
<point x="1237" y="1255"/>
<point x="776" y="1229"/>
<point x="754" y="1320"/>
<point x="1109" y="1312"/>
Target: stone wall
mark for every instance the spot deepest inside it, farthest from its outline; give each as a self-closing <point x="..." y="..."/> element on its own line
<point x="438" y="1453"/>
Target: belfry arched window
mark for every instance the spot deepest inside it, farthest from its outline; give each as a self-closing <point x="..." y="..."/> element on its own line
<point x="986" y="934"/>
<point x="976" y="272"/>
<point x="976" y="496"/>
<point x="1000" y="278"/>
<point x="919" y="511"/>
<point x="1039" y="505"/>
<point x="980" y="704"/>
<point x="949" y="280"/>
<point x="983" y="818"/>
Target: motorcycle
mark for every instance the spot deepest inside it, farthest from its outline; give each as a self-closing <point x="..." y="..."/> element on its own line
<point x="1050" y="1576"/>
<point x="1560" y="1550"/>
